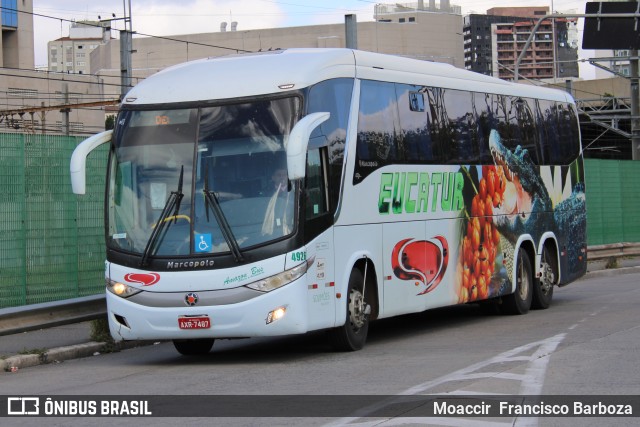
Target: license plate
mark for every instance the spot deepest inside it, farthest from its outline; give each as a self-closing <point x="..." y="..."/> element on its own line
<point x="200" y="322"/>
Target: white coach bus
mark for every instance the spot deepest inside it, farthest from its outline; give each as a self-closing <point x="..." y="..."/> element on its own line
<point x="284" y="192"/>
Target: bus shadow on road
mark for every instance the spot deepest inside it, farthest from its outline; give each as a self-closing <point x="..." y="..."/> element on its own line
<point x="381" y="332"/>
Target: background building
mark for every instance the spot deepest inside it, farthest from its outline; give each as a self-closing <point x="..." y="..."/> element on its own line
<point x="617" y="61"/>
<point x="73" y="54"/>
<point x="16" y="44"/>
<point x="493" y="42"/>
<point x="406" y="12"/>
<point x="427" y="36"/>
<point x="41" y="102"/>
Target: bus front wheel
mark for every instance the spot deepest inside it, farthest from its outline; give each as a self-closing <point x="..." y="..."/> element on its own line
<point x="352" y="335"/>
<point x="193" y="347"/>
<point x="519" y="302"/>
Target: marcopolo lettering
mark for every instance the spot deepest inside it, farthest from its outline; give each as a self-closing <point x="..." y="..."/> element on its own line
<point x="190" y="264"/>
<point x="415" y="192"/>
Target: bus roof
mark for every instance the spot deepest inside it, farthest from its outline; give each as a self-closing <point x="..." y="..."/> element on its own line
<point x="246" y="75"/>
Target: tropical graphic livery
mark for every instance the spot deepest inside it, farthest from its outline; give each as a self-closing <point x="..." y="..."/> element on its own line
<point x="498" y="203"/>
<point x="507" y="200"/>
<point x="422" y="260"/>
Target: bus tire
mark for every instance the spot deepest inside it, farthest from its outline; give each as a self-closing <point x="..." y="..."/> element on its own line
<point x="519" y="302"/>
<point x="352" y="335"/>
<point x="543" y="287"/>
<point x="193" y="347"/>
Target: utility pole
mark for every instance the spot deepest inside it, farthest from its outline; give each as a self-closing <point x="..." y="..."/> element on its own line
<point x="125" y="62"/>
<point x="635" y="107"/>
<point x="635" y="100"/>
<point x="351" y="31"/>
<point x="126" y="49"/>
<point x="65" y="111"/>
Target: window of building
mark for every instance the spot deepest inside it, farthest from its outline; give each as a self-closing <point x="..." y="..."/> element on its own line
<point x="22" y="92"/>
<point x="9" y="13"/>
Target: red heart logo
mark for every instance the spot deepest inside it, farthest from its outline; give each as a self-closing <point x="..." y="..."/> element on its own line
<point x="422" y="260"/>
<point x="145" y="279"/>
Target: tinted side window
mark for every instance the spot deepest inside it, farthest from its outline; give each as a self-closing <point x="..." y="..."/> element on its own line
<point x="547" y="118"/>
<point x="414" y="124"/>
<point x="378" y="127"/>
<point x="461" y="127"/>
<point x="568" y="133"/>
<point x="315" y="189"/>
<point x="441" y="134"/>
<point x="516" y="124"/>
<point x="526" y="124"/>
<point x="333" y="96"/>
<point x="484" y="104"/>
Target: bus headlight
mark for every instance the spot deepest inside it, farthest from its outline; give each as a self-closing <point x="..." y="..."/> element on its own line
<point x="281" y="279"/>
<point x="120" y="289"/>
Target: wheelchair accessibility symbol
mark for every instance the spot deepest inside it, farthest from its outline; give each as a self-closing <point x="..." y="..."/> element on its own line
<point x="202" y="243"/>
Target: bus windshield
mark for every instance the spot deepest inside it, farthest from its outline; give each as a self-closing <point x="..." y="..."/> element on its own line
<point x="201" y="181"/>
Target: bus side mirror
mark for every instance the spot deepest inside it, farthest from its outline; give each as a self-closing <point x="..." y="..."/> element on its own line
<point x="79" y="160"/>
<point x="298" y="141"/>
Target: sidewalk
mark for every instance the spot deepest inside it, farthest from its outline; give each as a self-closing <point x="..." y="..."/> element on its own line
<point x="61" y="343"/>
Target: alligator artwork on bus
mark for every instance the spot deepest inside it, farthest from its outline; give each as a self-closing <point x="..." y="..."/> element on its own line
<point x="278" y="193"/>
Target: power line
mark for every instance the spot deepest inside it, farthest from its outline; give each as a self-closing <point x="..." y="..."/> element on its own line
<point x="27" y="110"/>
<point x="194" y="43"/>
<point x="100" y="26"/>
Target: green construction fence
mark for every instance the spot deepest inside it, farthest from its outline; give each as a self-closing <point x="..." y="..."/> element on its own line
<point x="52" y="241"/>
<point x="613" y="201"/>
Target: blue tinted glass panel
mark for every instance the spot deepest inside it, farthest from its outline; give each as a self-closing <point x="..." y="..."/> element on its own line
<point x="9" y="13"/>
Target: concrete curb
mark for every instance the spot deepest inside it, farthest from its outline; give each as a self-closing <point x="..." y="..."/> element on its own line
<point x="13" y="363"/>
<point x="60" y="354"/>
<point x="612" y="272"/>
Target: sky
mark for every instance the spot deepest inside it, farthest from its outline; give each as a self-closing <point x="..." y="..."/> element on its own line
<point x="162" y="17"/>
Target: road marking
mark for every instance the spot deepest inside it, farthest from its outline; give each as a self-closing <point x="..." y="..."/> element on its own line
<point x="531" y="382"/>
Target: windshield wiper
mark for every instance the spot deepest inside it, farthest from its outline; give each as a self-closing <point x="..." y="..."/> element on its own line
<point x="172" y="204"/>
<point x="211" y="201"/>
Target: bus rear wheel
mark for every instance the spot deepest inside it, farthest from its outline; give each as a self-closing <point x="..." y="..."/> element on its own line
<point x="193" y="347"/>
<point x="352" y="335"/>
<point x="543" y="287"/>
<point x="519" y="302"/>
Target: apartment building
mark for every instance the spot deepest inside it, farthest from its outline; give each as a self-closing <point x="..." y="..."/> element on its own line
<point x="72" y="54"/>
<point x="493" y="42"/>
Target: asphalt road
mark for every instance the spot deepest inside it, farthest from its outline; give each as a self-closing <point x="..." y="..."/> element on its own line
<point x="586" y="344"/>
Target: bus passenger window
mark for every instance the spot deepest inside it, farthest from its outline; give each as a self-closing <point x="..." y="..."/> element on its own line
<point x="415" y="135"/>
<point x="316" y="194"/>
<point x="377" y="128"/>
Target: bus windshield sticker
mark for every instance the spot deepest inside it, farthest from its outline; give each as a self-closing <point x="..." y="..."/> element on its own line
<point x="202" y="243"/>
